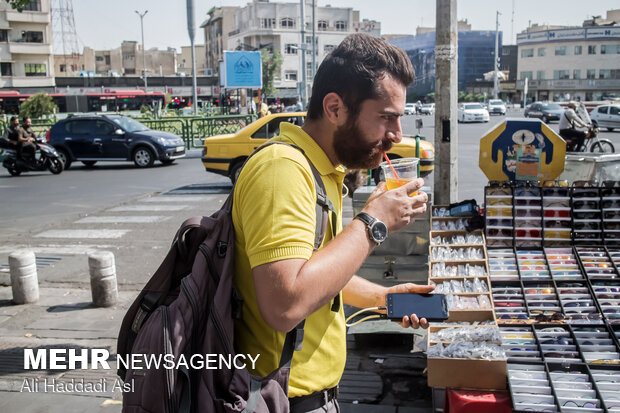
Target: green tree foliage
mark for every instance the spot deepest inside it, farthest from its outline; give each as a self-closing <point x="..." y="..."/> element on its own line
<point x="271" y="65"/>
<point x="37" y="106"/>
<point x="19" y="5"/>
<point x="430" y="97"/>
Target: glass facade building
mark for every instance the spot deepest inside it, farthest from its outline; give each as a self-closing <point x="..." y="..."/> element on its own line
<point x="476" y="51"/>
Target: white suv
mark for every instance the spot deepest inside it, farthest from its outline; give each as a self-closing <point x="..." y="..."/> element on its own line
<point x="496" y="107"/>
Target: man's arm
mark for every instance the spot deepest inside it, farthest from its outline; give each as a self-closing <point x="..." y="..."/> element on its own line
<point x="289" y="290"/>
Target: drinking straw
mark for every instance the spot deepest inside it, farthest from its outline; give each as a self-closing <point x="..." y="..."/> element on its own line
<point x="391" y="167"/>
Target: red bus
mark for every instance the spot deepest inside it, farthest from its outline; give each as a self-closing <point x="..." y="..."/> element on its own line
<point x="113" y="101"/>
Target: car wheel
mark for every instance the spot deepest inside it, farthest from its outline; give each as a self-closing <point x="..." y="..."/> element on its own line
<point x="167" y="161"/>
<point x="56" y="166"/>
<point x="143" y="157"/>
<point x="89" y="163"/>
<point x="64" y="158"/>
<point x="235" y="170"/>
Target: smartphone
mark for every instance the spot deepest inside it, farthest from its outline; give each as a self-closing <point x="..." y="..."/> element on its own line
<point x="433" y="307"/>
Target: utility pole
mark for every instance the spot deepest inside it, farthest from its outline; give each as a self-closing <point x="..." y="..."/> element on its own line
<point x="313" y="40"/>
<point x="143" y="49"/>
<point x="446" y="85"/>
<point x="496" y="65"/>
<point x="304" y="79"/>
<point x="191" y="31"/>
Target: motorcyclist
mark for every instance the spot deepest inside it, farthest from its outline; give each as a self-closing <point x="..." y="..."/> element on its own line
<point x="27" y="139"/>
<point x="569" y="122"/>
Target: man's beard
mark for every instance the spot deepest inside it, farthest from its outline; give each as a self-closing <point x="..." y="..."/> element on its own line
<point x="354" y="152"/>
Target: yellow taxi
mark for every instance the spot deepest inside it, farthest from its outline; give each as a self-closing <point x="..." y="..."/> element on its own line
<point x="225" y="154"/>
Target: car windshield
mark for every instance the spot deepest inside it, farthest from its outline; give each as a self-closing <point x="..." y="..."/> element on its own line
<point x="130" y="125"/>
<point x="473" y="106"/>
<point x="551" y="106"/>
<point x="409" y="105"/>
<point x="495" y="102"/>
<point x="427" y="105"/>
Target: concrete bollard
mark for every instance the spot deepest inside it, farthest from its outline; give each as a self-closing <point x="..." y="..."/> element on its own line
<point x="24" y="280"/>
<point x="103" y="278"/>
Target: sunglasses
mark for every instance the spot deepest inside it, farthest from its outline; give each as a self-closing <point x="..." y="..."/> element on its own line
<point x="610" y="191"/>
<point x="508" y="304"/>
<point x="499" y="212"/>
<point x="499" y="191"/>
<point x="530" y="233"/>
<point x="502" y="232"/>
<point x="611" y="225"/>
<point x="586" y="225"/>
<point x="557" y="213"/>
<point x="527" y="202"/>
<point x="585" y="193"/>
<point x="499" y="201"/>
<point x="586" y="215"/>
<point x="571" y="403"/>
<point x="495" y="222"/>
<point x="611" y="203"/>
<point x="607" y="289"/>
<point x="557" y="234"/>
<point x="555" y="191"/>
<point x="578" y="304"/>
<point x="539" y="291"/>
<point x="611" y="214"/>
<point x="542" y="317"/>
<point x="555" y="353"/>
<point x="558" y="204"/>
<point x="513" y="316"/>
<point x="534" y="304"/>
<point x="557" y="224"/>
<point x="527" y="223"/>
<point x="527" y="192"/>
<point x="586" y="204"/>
<point x="533" y="213"/>
<point x="587" y="235"/>
<point x="540" y="262"/>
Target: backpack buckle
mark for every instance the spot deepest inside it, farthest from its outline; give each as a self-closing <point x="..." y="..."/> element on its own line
<point x="221" y="248"/>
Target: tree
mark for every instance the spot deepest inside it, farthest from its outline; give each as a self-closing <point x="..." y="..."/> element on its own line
<point x="271" y="65"/>
<point x="37" y="106"/>
<point x="430" y="97"/>
<point x="19" y="5"/>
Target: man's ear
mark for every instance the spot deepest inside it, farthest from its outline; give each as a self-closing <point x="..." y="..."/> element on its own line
<point x="334" y="109"/>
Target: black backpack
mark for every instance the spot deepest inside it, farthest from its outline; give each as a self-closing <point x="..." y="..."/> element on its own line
<point x="188" y="307"/>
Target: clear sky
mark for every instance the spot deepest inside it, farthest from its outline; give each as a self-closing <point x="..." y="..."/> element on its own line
<point x="105" y="24"/>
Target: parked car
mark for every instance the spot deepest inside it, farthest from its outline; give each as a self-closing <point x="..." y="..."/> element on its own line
<point x="545" y="111"/>
<point x="410" y="109"/>
<point x="225" y="154"/>
<point x="606" y="116"/>
<point x="472" y="112"/>
<point x="428" y="109"/>
<point x="496" y="107"/>
<point x="94" y="138"/>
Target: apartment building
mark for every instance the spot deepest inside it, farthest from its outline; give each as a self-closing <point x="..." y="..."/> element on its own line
<point x="565" y="63"/>
<point x="26" y="60"/>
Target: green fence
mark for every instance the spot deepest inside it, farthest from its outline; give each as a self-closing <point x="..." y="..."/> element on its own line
<point x="193" y="130"/>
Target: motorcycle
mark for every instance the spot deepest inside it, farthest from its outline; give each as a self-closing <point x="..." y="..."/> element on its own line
<point x="48" y="159"/>
<point x="592" y="142"/>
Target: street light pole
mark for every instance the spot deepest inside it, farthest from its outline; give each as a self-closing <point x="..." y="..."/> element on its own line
<point x="143" y="50"/>
<point x="496" y="65"/>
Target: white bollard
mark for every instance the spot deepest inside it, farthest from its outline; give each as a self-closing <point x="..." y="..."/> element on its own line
<point x="103" y="278"/>
<point x="24" y="280"/>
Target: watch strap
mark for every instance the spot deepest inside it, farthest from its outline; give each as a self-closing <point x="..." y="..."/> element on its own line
<point x="366" y="219"/>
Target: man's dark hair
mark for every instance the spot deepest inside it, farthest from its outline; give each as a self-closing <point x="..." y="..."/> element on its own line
<point x="24" y="119"/>
<point x="353" y="69"/>
<point x="13" y="118"/>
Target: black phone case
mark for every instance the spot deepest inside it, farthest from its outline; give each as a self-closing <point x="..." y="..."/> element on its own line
<point x="399" y="318"/>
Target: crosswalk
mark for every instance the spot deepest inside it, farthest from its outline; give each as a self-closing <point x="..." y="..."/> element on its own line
<point x="106" y="228"/>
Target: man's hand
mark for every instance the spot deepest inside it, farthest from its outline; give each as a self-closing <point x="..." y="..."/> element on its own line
<point x="412" y="321"/>
<point x="395" y="207"/>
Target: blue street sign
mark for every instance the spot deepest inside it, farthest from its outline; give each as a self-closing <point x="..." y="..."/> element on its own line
<point x="243" y="69"/>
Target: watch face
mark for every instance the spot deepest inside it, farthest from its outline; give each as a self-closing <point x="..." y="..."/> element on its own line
<point x="379" y="231"/>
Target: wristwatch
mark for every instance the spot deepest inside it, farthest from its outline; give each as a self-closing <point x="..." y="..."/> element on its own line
<point x="377" y="230"/>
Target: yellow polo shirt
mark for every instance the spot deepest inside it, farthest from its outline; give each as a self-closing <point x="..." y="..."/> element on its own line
<point x="274" y="218"/>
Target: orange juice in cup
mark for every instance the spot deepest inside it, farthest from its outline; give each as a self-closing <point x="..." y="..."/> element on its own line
<point x="400" y="172"/>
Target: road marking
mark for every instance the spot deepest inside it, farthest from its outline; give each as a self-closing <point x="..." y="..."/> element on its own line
<point x="125" y="220"/>
<point x="83" y="233"/>
<point x="125" y="208"/>
<point x="65" y="249"/>
<point x="175" y="198"/>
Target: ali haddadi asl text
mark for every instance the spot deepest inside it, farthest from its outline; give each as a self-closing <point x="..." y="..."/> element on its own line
<point x="53" y="385"/>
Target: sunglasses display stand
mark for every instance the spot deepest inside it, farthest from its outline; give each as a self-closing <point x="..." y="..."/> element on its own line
<point x="455" y="265"/>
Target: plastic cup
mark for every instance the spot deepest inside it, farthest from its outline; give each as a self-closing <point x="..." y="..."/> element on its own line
<point x="406" y="170"/>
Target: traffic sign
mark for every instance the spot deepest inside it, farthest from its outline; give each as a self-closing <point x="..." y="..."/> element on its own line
<point x="520" y="150"/>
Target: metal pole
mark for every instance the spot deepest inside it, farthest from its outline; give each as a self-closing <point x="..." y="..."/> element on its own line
<point x="191" y="31"/>
<point x="446" y="85"/>
<point x="313" y="40"/>
<point x="496" y="65"/>
<point x="143" y="48"/>
<point x="304" y="79"/>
